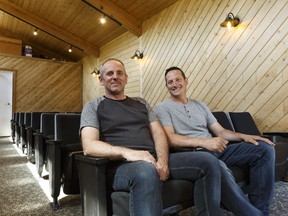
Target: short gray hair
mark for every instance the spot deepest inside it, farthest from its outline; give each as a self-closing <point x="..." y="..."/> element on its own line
<point x="107" y="60"/>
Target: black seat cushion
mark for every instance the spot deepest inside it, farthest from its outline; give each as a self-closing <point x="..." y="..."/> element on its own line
<point x="177" y="195"/>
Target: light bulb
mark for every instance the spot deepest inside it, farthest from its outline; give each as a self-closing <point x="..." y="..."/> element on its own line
<point x="229" y="25"/>
<point x="102" y="20"/>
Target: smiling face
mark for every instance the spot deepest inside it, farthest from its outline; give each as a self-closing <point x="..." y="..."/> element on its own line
<point x="176" y="83"/>
<point x="113" y="78"/>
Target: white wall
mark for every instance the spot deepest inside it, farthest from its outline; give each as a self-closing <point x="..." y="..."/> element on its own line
<point x="6" y="80"/>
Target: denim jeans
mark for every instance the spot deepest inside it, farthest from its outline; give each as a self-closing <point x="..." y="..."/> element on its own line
<point x="214" y="183"/>
<point x="261" y="160"/>
<point x="211" y="176"/>
<point x="142" y="181"/>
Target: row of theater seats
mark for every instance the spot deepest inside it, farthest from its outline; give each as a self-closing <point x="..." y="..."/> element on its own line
<point x="23" y="124"/>
<point x="177" y="194"/>
<point x="51" y="139"/>
<point x="56" y="143"/>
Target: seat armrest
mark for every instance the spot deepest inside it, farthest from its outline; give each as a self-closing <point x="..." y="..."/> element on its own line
<point x="54" y="142"/>
<point x="282" y="134"/>
<point x="276" y="136"/>
<point x="39" y="152"/>
<point x="268" y="137"/>
<point x="37" y="133"/>
<point x="91" y="160"/>
<point x="54" y="167"/>
<point x="92" y="178"/>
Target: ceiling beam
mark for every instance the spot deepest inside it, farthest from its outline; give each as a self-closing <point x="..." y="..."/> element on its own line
<point x="48" y="27"/>
<point x="117" y="14"/>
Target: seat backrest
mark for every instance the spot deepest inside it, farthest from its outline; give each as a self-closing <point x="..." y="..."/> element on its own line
<point x="17" y="117"/>
<point x="14" y="116"/>
<point x="223" y="120"/>
<point x="243" y="122"/>
<point x="27" y="119"/>
<point x="21" y="118"/>
<point x="67" y="128"/>
<point x="47" y="124"/>
<point x="35" y="120"/>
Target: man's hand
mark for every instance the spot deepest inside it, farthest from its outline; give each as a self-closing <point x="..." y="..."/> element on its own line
<point x="253" y="139"/>
<point x="215" y="144"/>
<point x="134" y="155"/>
<point x="163" y="171"/>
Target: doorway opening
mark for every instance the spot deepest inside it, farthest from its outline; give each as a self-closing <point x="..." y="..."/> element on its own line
<point x="6" y="102"/>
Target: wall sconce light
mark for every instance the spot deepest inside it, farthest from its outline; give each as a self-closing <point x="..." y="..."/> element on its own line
<point x="35" y="32"/>
<point x="95" y="72"/>
<point x="137" y="55"/>
<point x="230" y="21"/>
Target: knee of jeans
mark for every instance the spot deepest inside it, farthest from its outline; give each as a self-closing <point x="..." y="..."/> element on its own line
<point x="268" y="150"/>
<point x="211" y="163"/>
<point x="148" y="174"/>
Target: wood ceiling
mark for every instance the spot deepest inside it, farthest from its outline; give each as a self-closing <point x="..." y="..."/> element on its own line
<point x="65" y="23"/>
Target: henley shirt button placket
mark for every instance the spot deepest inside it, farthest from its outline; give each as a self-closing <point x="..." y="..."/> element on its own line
<point x="187" y="112"/>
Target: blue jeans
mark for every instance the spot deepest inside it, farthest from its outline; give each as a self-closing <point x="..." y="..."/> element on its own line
<point x="142" y="181"/>
<point x="261" y="161"/>
<point x="211" y="176"/>
<point x="214" y="183"/>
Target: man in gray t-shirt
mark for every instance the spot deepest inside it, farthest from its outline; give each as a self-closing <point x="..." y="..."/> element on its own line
<point x="187" y="123"/>
<point x="126" y="131"/>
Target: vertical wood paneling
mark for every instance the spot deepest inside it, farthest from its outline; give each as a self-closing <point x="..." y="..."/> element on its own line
<point x="244" y="69"/>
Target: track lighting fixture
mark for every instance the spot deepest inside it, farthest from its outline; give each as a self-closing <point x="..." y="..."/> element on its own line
<point x="137" y="55"/>
<point x="35" y="32"/>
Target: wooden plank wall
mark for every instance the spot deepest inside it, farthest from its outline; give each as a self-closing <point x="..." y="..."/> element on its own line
<point x="10" y="46"/>
<point x="244" y="69"/>
<point x="44" y="85"/>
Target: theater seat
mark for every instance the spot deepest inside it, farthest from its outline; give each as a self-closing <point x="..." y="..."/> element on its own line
<point x="45" y="133"/>
<point x="61" y="156"/>
<point x="34" y="127"/>
<point x="243" y="122"/>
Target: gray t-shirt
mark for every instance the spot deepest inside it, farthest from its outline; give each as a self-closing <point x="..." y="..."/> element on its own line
<point x="121" y="122"/>
<point x="191" y="119"/>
